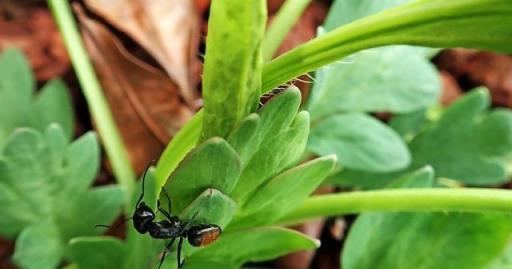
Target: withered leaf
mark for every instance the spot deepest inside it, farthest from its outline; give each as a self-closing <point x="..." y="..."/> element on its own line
<point x="144" y="101"/>
<point x="167" y="29"/>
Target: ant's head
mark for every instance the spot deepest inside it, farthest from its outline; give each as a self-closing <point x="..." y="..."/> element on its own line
<point x="142" y="216"/>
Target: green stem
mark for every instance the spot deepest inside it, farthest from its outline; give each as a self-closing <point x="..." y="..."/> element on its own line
<point x="283" y="22"/>
<point x="402" y="200"/>
<point x="98" y="106"/>
<point x="434" y="23"/>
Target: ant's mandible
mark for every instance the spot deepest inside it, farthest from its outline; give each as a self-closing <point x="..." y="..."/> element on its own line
<point x="198" y="235"/>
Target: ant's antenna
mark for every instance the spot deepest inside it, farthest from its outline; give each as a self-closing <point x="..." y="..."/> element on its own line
<point x="115" y="227"/>
<point x="143" y="180"/>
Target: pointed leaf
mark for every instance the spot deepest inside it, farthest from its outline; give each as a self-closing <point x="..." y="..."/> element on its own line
<point x="213" y="164"/>
<point x="287" y="190"/>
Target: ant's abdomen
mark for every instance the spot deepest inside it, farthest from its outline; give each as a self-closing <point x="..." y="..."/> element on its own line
<point x="203" y="234"/>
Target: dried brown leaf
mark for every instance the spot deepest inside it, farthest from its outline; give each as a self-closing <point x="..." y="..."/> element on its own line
<point x="35" y="33"/>
<point x="144" y="101"/>
<point x="167" y="29"/>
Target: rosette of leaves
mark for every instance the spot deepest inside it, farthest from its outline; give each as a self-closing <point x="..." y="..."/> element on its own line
<point x="44" y="177"/>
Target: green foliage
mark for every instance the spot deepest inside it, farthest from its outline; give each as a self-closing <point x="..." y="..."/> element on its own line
<point x="392" y="79"/>
<point x="18" y="106"/>
<point x="425" y="240"/>
<point x="467" y="143"/>
<point x="45" y="200"/>
<point x="232" y="72"/>
<point x="434" y="23"/>
<point x="360" y="142"/>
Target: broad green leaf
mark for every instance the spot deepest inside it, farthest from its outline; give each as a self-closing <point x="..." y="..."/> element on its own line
<point x="502" y="261"/>
<point x="16" y="86"/>
<point x="97" y="252"/>
<point x="210" y="207"/>
<point x="17" y="106"/>
<point x="360" y="142"/>
<point x="480" y="24"/>
<point x="425" y="240"/>
<point x="53" y="105"/>
<point x="286" y="191"/>
<point x="391" y="79"/>
<point x="35" y="180"/>
<point x="39" y="247"/>
<point x="255" y="245"/>
<point x="233" y="63"/>
<point x="467" y="143"/>
<point x="212" y="164"/>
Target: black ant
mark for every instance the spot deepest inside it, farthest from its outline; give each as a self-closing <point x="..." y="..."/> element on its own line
<point x="198" y="235"/>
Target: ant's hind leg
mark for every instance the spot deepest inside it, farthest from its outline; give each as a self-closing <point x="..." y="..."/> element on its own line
<point x="166" y="250"/>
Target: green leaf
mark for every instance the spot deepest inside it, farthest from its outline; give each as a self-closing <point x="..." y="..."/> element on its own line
<point x="433" y="23"/>
<point x="38" y="247"/>
<point x="16" y="86"/>
<point x="97" y="252"/>
<point x="425" y="240"/>
<point x="390" y="79"/>
<point x="279" y="142"/>
<point x="53" y="105"/>
<point x="286" y="191"/>
<point x="244" y="138"/>
<point x="211" y="207"/>
<point x="502" y="261"/>
<point x="360" y="142"/>
<point x="393" y="79"/>
<point x="467" y="143"/>
<point x="213" y="164"/>
<point x="233" y="63"/>
<point x="37" y="177"/>
<point x="255" y="245"/>
<point x="408" y="125"/>
<point x="18" y="109"/>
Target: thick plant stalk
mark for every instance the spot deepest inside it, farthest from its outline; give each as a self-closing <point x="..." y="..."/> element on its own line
<point x="403" y="200"/>
<point x="98" y="105"/>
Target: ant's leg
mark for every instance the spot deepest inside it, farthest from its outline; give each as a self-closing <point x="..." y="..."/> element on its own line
<point x="166" y="250"/>
<point x="166" y="214"/>
<point x="168" y="200"/>
<point x="180" y="246"/>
